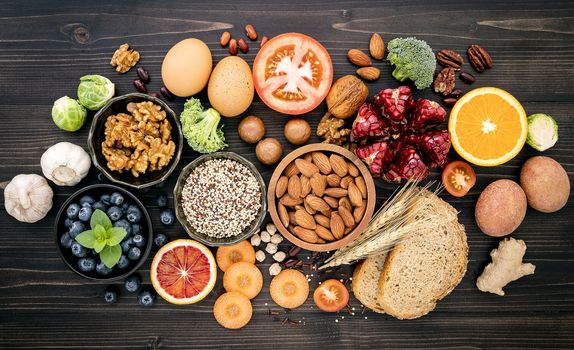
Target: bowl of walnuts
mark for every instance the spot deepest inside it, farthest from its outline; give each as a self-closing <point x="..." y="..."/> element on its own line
<point x="135" y="140"/>
<point x="321" y="196"/>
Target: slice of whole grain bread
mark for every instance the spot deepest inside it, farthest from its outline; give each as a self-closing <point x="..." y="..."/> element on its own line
<point x="365" y="278"/>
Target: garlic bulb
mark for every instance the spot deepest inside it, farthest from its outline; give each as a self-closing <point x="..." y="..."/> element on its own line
<point x="65" y="164"/>
<point x="28" y="197"/>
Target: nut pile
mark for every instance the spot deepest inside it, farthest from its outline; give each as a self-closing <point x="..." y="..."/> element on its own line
<point x="235" y="45"/>
<point x="357" y="57"/>
<point x="321" y="198"/>
<point x="271" y="238"/>
<point x="221" y="198"/>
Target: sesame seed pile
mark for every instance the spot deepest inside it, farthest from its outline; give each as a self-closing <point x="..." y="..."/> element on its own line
<point x="220" y="198"/>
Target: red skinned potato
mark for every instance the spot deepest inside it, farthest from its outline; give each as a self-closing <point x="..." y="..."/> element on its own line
<point x="500" y="208"/>
<point x="545" y="183"/>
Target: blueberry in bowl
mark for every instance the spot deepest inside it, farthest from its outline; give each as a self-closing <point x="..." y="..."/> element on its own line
<point x="103" y="232"/>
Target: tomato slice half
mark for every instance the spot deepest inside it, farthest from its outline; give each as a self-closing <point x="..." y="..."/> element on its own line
<point x="458" y="177"/>
<point x="331" y="296"/>
<point x="292" y="73"/>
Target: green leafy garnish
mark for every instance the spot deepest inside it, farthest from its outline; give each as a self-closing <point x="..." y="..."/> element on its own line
<point x="103" y="238"/>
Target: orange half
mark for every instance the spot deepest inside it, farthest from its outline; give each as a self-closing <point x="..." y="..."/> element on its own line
<point x="488" y="126"/>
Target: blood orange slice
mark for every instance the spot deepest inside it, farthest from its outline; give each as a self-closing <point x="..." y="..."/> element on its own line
<point x="183" y="271"/>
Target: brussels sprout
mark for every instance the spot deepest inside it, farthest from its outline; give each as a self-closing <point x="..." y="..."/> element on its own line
<point x="94" y="91"/>
<point x="68" y="114"/>
<point x="542" y="131"/>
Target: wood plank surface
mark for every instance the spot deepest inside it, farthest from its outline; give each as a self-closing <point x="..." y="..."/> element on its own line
<point x="46" y="46"/>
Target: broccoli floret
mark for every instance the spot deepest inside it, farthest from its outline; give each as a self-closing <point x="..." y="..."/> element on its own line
<point x="200" y="127"/>
<point x="413" y="59"/>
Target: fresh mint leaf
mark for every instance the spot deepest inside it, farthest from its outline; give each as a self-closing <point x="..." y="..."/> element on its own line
<point x="100" y="233"/>
<point x="99" y="246"/>
<point x="100" y="218"/>
<point x="116" y="235"/>
<point x="110" y="255"/>
<point x="86" y="239"/>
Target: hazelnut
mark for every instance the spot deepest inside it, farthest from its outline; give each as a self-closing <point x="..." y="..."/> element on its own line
<point x="251" y="129"/>
<point x="297" y="131"/>
<point x="269" y="151"/>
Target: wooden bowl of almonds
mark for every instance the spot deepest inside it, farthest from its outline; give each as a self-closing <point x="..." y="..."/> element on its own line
<point x="321" y="197"/>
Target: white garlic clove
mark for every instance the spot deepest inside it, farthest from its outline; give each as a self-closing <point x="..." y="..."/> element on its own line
<point x="260" y="256"/>
<point x="28" y="197"/>
<point x="255" y="240"/>
<point x="271" y="228"/>
<point x="276" y="238"/>
<point x="65" y="164"/>
<point x="265" y="236"/>
<point x="279" y="256"/>
<point x="274" y="269"/>
<point x="271" y="248"/>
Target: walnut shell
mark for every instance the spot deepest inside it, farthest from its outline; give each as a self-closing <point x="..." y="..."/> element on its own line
<point x="347" y="94"/>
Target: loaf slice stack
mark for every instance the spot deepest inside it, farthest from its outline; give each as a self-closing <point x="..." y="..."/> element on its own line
<point x="365" y="273"/>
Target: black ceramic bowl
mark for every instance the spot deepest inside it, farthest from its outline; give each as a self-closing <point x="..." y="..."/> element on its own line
<point x="96" y="137"/>
<point x="97" y="191"/>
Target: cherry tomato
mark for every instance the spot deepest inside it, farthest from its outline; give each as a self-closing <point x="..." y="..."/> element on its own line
<point x="292" y="73"/>
<point x="458" y="178"/>
<point x="331" y="296"/>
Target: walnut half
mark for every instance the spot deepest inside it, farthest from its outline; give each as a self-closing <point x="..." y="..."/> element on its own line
<point x="124" y="58"/>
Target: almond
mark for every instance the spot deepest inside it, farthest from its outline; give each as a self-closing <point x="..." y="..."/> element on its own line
<point x="338" y="164"/>
<point x="291" y="170"/>
<point x="308" y="208"/>
<point x="337" y="225"/>
<point x="345" y="202"/>
<point x="317" y="203"/>
<point x="289" y="201"/>
<point x="283" y="214"/>
<point x="305" y="219"/>
<point x="305" y="186"/>
<point x="322" y="220"/>
<point x="353" y="171"/>
<point x="347" y="216"/>
<point x="294" y="187"/>
<point x="355" y="195"/>
<point x="358" y="212"/>
<point x="322" y="162"/>
<point x="333" y="202"/>
<point x="337" y="192"/>
<point x="292" y="220"/>
<point x="360" y="182"/>
<point x="320" y="240"/>
<point x="318" y="184"/>
<point x="306" y="167"/>
<point x="281" y="186"/>
<point x="358" y="58"/>
<point x="308" y="157"/>
<point x="324" y="233"/>
<point x="377" y="47"/>
<point x="307" y="235"/>
<point x="333" y="180"/>
<point x="346" y="181"/>
<point x="369" y="73"/>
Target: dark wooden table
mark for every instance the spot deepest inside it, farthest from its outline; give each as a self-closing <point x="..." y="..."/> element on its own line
<point x="46" y="46"/>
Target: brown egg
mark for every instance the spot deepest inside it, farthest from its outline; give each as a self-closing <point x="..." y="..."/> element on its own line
<point x="251" y="129"/>
<point x="269" y="151"/>
<point x="186" y="67"/>
<point x="297" y="131"/>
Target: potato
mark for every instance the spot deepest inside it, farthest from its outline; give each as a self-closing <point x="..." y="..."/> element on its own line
<point x="545" y="183"/>
<point x="500" y="208"/>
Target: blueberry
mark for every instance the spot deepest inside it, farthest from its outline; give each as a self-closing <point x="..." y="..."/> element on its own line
<point x="87" y="199"/>
<point x="133" y="283"/>
<point x="77" y="228"/>
<point x="114" y="213"/>
<point x="123" y="223"/>
<point x="146" y="298"/>
<point x="102" y="269"/>
<point x="125" y="207"/>
<point x="167" y="217"/>
<point x="139" y="241"/>
<point x="68" y="223"/>
<point x="73" y="210"/>
<point x="66" y="240"/>
<point x="134" y="214"/>
<point x="123" y="263"/>
<point x="126" y="244"/>
<point x="160" y="239"/>
<point x="85" y="214"/>
<point x="101" y="177"/>
<point x="161" y="201"/>
<point x="78" y="250"/>
<point x="105" y="198"/>
<point x="87" y="264"/>
<point x="112" y="294"/>
<point x="101" y="206"/>
<point x="160" y="184"/>
<point x="116" y="198"/>
<point x="137" y="229"/>
<point x="134" y="253"/>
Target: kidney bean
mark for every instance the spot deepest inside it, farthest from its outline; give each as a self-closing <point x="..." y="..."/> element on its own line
<point x="166" y="93"/>
<point x="140" y="86"/>
<point x="143" y="74"/>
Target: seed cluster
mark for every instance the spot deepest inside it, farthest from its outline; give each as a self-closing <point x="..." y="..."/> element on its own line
<point x="221" y="197"/>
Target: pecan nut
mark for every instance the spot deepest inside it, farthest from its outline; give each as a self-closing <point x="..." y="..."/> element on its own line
<point x="479" y="58"/>
<point x="449" y="58"/>
<point x="445" y="81"/>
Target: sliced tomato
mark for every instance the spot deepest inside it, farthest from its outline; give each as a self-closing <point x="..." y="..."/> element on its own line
<point x="331" y="296"/>
<point x="458" y="178"/>
<point x="292" y="73"/>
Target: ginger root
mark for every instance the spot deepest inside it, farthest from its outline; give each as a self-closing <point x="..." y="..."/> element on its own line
<point x="506" y="266"/>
